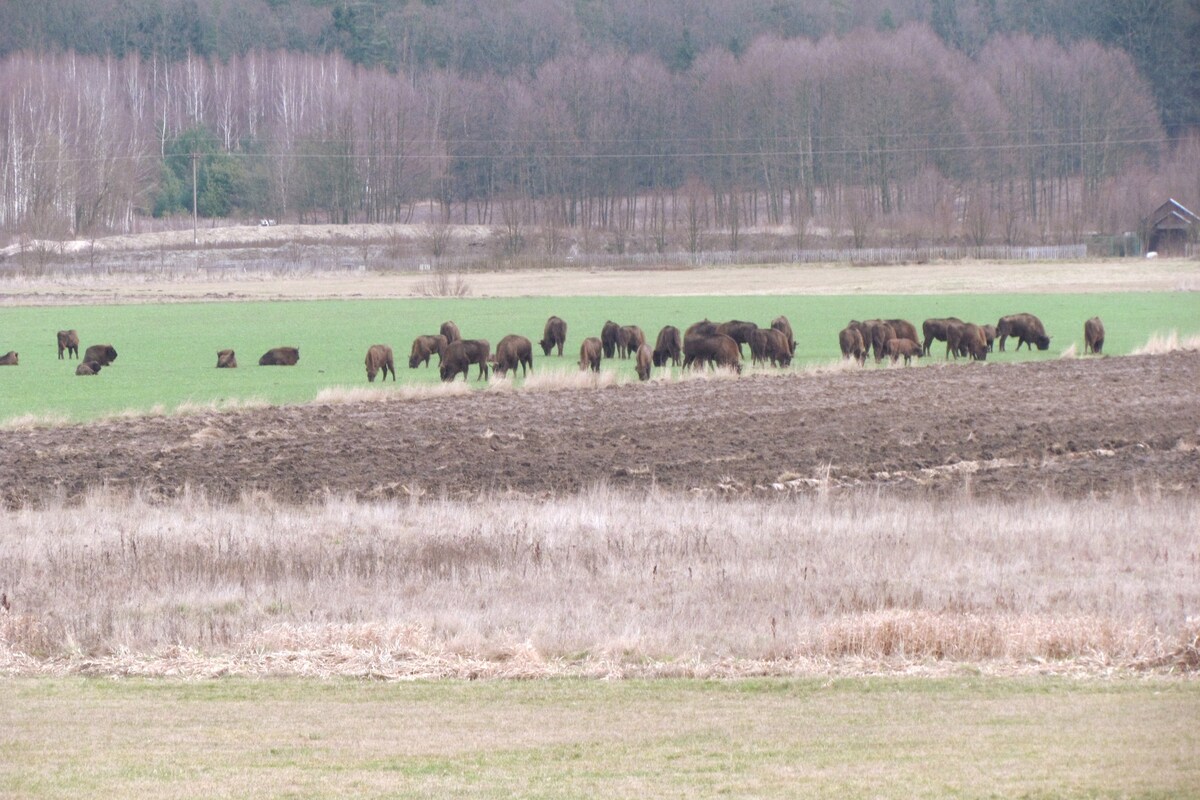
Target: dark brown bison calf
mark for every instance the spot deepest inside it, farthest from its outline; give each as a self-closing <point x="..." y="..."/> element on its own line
<point x="668" y="346"/>
<point x="68" y="342"/>
<point x="645" y="357"/>
<point x="9" y="359"/>
<point x="280" y="357"/>
<point x="226" y="359"/>
<point x="425" y="346"/>
<point x="1093" y="336"/>
<point x="589" y="354"/>
<point x="88" y="368"/>
<point x="102" y="354"/>
<point x="379" y="359"/>
<point x="511" y="352"/>
<point x="461" y="354"/>
<point x="554" y="335"/>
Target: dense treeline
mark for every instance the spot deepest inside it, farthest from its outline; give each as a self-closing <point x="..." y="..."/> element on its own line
<point x="1028" y="140"/>
<point x="509" y="37"/>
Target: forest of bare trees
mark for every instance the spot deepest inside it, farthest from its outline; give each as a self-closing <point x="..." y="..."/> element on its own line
<point x="870" y="134"/>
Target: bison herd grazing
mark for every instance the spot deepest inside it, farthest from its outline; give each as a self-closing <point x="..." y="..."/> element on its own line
<point x="703" y="344"/>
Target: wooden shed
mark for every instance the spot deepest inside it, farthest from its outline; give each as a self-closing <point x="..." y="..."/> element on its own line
<point x="1168" y="230"/>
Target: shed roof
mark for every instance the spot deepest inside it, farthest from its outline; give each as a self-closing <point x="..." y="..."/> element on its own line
<point x="1171" y="215"/>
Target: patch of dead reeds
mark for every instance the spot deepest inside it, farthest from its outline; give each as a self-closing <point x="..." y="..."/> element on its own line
<point x="1160" y="343"/>
<point x="600" y="583"/>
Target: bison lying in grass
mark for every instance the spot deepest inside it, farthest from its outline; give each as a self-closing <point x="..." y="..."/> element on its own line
<point x="88" y="368"/>
<point x="226" y="359"/>
<point x="9" y="359"/>
<point x="280" y="357"/>
<point x="102" y="354"/>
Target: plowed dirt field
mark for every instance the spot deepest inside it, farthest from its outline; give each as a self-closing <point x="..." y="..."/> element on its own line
<point x="1068" y="427"/>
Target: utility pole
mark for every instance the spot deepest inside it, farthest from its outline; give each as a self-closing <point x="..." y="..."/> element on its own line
<point x="195" y="237"/>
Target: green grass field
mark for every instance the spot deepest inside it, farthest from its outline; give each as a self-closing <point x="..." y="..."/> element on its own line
<point x="852" y="738"/>
<point x="168" y="351"/>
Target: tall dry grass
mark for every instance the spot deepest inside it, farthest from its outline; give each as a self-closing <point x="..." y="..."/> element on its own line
<point x="1169" y="342"/>
<point x="598" y="583"/>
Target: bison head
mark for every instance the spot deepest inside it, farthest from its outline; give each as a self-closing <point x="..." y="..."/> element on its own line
<point x="547" y="346"/>
<point x="413" y="360"/>
<point x="1043" y="343"/>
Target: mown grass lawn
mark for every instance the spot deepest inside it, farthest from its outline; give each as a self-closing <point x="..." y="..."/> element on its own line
<point x="168" y="351"/>
<point x="862" y="737"/>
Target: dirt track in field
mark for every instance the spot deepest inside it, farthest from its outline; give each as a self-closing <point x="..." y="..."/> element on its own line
<point x="1068" y="427"/>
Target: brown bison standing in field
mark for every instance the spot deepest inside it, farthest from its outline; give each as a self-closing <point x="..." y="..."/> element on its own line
<point x="609" y="336"/>
<point x="461" y="354"/>
<point x="716" y="350"/>
<point x="10" y="359"/>
<point x="1093" y="336"/>
<point x="782" y="325"/>
<point x="425" y="346"/>
<point x="875" y="333"/>
<point x="280" y="357"/>
<point x="88" y="368"/>
<point x="102" y="354"/>
<point x="554" y="335"/>
<point x="1025" y="328"/>
<point x="511" y="352"/>
<point x="770" y="344"/>
<point x="644" y="359"/>
<point x="668" y="346"/>
<point x="450" y="331"/>
<point x="895" y="348"/>
<point x="589" y="354"/>
<point x="851" y="342"/>
<point x="379" y="358"/>
<point x="904" y="330"/>
<point x="629" y="339"/>
<point x="966" y="339"/>
<point x="935" y="330"/>
<point x="68" y="342"/>
<point x="989" y="334"/>
<point x="738" y="330"/>
<point x="226" y="359"/>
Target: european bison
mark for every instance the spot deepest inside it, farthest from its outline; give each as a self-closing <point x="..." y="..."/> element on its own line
<point x="966" y="339"/>
<point x="907" y="348"/>
<point x="450" y="331"/>
<point x="425" y="346"/>
<point x="875" y="334"/>
<point x="904" y="330"/>
<point x="935" y="330"/>
<point x="770" y="344"/>
<point x="668" y="346"/>
<point x="715" y="350"/>
<point x="379" y="358"/>
<point x="781" y="324"/>
<point x="704" y="326"/>
<point x="68" y="342"/>
<point x="461" y="354"/>
<point x="102" y="354"/>
<point x="1093" y="336"/>
<point x="9" y="359"/>
<point x="851" y="341"/>
<point x="511" y="352"/>
<point x="280" y="357"/>
<point x="609" y="335"/>
<point x="1025" y="328"/>
<point x="589" y="354"/>
<point x="554" y="335"/>
<point x="629" y="339"/>
<point x="644" y="359"/>
<point x="88" y="368"/>
<point x="738" y="330"/>
<point x="989" y="333"/>
<point x="226" y="359"/>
